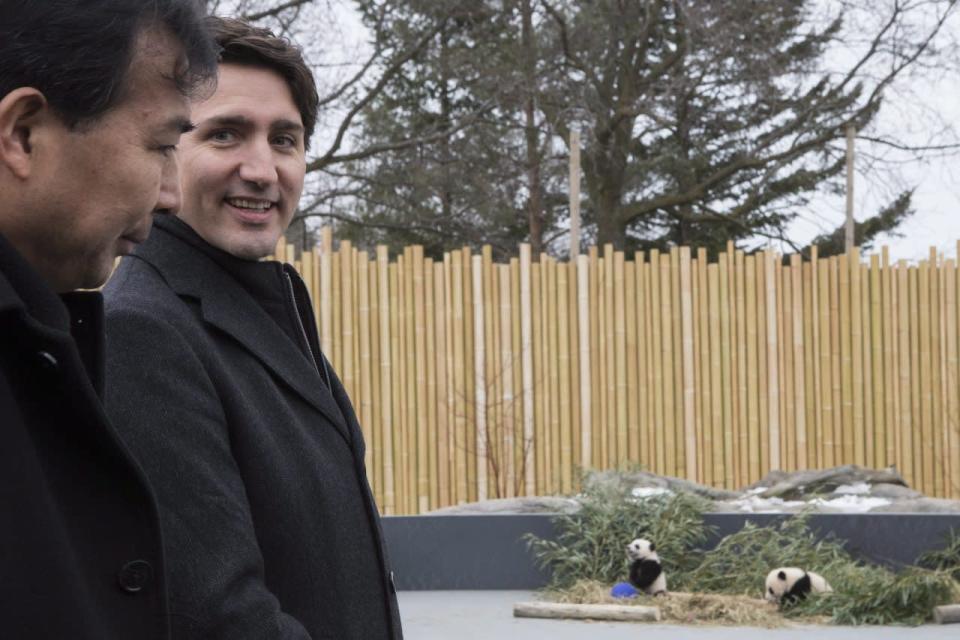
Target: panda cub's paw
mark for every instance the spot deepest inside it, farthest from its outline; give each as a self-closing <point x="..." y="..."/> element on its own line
<point x="646" y="573"/>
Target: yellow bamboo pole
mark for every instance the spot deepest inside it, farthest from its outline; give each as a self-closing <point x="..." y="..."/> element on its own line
<point x="696" y="286"/>
<point x="526" y="337"/>
<point x="539" y="381"/>
<point x="936" y="364"/>
<point x="809" y="366"/>
<point x="645" y="361"/>
<point x="609" y="358"/>
<point x="799" y="373"/>
<point x="706" y="369"/>
<point x="787" y="392"/>
<point x="461" y="391"/>
<point x="429" y="364"/>
<point x="480" y="374"/>
<point x="565" y="387"/>
<point x="773" y="367"/>
<point x="337" y="338"/>
<point x="676" y="384"/>
<point x="905" y="444"/>
<point x="752" y="369"/>
<point x="620" y="358"/>
<point x="586" y="393"/>
<point x="396" y="352"/>
<point x="741" y="429"/>
<point x="866" y="365"/>
<point x="916" y="380"/>
<point x="469" y="372"/>
<point x="726" y="374"/>
<point x="386" y="378"/>
<point x="656" y="352"/>
<point x="953" y="378"/>
<point x="408" y="320"/>
<point x="848" y="454"/>
<point x="856" y="342"/>
<point x="552" y="353"/>
<point x="879" y="367"/>
<point x="443" y="353"/>
<point x="716" y="373"/>
<point x="633" y="402"/>
<point x="573" y="313"/>
<point x="506" y="376"/>
<point x="689" y="389"/>
<point x="597" y="392"/>
<point x="926" y="380"/>
<point x="763" y="373"/>
<point x="825" y="430"/>
<point x="366" y="399"/>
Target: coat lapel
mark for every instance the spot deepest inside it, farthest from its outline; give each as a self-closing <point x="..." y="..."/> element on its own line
<point x="226" y="305"/>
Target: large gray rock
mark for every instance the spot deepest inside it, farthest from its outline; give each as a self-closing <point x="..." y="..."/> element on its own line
<point x="627" y="480"/>
<point x="795" y="485"/>
<point x="525" y="505"/>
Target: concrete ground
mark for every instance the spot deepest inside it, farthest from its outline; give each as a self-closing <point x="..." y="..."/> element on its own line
<point x="476" y="615"/>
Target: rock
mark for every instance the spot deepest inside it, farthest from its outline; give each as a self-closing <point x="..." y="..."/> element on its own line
<point x="894" y="491"/>
<point x="523" y="505"/>
<point x="628" y="480"/>
<point x="791" y="486"/>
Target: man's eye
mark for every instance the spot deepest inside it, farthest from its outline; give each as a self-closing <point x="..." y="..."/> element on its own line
<point x="222" y="136"/>
<point x="285" y="141"/>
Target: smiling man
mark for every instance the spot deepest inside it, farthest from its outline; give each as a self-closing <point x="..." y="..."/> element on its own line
<point x="93" y="100"/>
<point x="217" y="381"/>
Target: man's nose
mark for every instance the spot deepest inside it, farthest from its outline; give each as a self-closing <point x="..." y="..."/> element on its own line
<point x="258" y="166"/>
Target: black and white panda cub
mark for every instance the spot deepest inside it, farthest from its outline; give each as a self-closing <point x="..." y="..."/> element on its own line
<point x="646" y="574"/>
<point x="789" y="585"/>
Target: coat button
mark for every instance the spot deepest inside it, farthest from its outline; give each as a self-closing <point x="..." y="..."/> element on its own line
<point x="135" y="575"/>
<point x="47" y="361"/>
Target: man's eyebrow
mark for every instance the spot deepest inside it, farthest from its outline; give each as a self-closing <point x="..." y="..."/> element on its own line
<point x="287" y="125"/>
<point x="227" y="121"/>
<point x="180" y="125"/>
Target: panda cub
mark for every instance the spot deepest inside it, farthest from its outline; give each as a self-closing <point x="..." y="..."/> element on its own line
<point x="646" y="574"/>
<point x="789" y="585"/>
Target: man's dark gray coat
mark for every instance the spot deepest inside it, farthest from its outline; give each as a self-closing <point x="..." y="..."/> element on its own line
<point x="255" y="452"/>
<point x="80" y="549"/>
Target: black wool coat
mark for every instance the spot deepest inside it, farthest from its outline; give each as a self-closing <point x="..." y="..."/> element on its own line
<point x="254" y="451"/>
<point x="80" y="548"/>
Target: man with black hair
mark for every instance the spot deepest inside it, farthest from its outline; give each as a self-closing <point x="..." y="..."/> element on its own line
<point x="93" y="100"/>
<point x="217" y="382"/>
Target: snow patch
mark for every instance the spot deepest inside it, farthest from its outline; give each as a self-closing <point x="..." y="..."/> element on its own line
<point x="860" y="488"/>
<point x="649" y="492"/>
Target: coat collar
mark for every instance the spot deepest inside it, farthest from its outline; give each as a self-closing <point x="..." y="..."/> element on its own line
<point x="186" y="264"/>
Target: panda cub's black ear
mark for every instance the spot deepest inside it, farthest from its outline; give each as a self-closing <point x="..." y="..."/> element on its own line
<point x="653" y="547"/>
<point x="782" y="575"/>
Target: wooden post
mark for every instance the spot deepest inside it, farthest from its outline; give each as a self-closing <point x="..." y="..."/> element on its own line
<point x="526" y="351"/>
<point x="851" y="132"/>
<point x="583" y="319"/>
<point x="480" y="385"/>
<point x="574" y="194"/>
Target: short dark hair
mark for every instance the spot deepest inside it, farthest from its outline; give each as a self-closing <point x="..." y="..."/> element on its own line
<point x="78" y="52"/>
<point x="244" y="44"/>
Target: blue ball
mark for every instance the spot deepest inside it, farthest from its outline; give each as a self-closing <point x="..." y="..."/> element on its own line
<point x="623" y="590"/>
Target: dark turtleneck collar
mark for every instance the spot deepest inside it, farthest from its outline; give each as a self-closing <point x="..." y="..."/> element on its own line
<point x="262" y="279"/>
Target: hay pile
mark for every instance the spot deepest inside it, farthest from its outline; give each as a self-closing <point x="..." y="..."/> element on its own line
<point x="588" y="556"/>
<point x="683" y="608"/>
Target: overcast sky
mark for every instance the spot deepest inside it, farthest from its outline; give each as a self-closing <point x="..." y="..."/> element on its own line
<point x="918" y="110"/>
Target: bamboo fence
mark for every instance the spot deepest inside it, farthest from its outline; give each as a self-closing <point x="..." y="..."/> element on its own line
<point x="475" y="380"/>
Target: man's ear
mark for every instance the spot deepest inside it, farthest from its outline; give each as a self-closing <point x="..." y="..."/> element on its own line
<point x="20" y="112"/>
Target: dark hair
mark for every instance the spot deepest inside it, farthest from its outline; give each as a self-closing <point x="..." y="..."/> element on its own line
<point x="244" y="44"/>
<point x="78" y="52"/>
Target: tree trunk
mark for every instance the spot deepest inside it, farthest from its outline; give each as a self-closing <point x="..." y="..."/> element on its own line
<point x="535" y="201"/>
